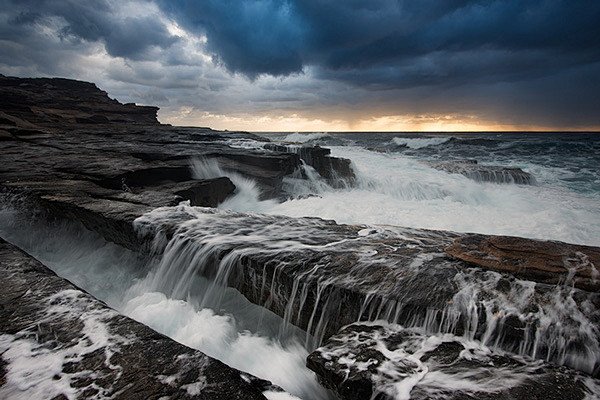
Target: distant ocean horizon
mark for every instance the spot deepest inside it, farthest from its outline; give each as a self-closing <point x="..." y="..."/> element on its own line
<point x="396" y="184"/>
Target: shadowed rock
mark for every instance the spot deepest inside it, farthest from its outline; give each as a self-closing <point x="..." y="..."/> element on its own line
<point x="484" y="173"/>
<point x="540" y="261"/>
<point x="28" y="102"/>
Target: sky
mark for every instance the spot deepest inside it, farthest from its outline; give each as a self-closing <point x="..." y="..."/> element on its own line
<point x="323" y="65"/>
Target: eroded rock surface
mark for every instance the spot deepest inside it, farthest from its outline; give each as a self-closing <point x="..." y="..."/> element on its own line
<point x="56" y="341"/>
<point x="376" y="361"/>
<point x="541" y="261"/>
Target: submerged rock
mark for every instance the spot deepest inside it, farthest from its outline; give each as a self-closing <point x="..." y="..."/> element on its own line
<point x="484" y="173"/>
<point x="56" y="341"/>
<point x="387" y="361"/>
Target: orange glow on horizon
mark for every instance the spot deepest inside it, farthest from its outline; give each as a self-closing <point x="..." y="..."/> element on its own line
<point x="391" y="123"/>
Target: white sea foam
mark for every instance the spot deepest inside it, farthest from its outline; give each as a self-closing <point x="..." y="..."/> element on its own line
<point x="247" y="194"/>
<point x="395" y="190"/>
<point x="305" y="137"/>
<point x="113" y="275"/>
<point x="419" y="143"/>
<point x="35" y="370"/>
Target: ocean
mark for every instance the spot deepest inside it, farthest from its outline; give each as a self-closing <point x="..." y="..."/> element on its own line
<point x="396" y="186"/>
<point x="398" y="182"/>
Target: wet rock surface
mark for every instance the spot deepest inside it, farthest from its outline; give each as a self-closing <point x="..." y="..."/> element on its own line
<point x="109" y="172"/>
<point x="56" y="340"/>
<point x="484" y="173"/>
<point x="321" y="276"/>
<point x="540" y="261"/>
<point x="386" y="362"/>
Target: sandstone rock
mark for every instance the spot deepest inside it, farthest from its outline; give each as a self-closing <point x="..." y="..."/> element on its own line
<point x="541" y="261"/>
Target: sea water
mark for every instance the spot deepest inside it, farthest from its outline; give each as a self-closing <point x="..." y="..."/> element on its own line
<point x="395" y="185"/>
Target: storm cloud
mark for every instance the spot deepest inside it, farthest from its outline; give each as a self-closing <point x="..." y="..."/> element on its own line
<point x="523" y="62"/>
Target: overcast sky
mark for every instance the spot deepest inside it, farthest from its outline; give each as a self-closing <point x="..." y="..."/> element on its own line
<point x="323" y="64"/>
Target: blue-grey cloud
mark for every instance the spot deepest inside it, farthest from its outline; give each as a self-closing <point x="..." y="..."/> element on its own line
<point x="280" y="37"/>
<point x="123" y="36"/>
<point x="250" y="37"/>
<point x="519" y="61"/>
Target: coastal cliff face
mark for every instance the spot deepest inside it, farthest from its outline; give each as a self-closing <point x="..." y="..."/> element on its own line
<point x="31" y="104"/>
<point x="68" y="151"/>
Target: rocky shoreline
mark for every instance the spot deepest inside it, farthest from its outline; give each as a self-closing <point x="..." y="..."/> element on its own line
<point x="70" y="151"/>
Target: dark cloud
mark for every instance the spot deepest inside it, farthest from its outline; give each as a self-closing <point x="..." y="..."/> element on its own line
<point x="251" y="37"/>
<point x="511" y="60"/>
<point x="512" y="49"/>
<point x="280" y="37"/>
<point x="97" y="21"/>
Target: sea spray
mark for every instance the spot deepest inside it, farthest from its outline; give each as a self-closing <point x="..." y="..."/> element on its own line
<point x="397" y="190"/>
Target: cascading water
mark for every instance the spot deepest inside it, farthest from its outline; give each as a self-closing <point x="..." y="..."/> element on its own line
<point x="258" y="254"/>
<point x="169" y="295"/>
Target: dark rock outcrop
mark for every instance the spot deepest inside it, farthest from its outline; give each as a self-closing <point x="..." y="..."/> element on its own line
<point x="31" y="102"/>
<point x="78" y="347"/>
<point x="387" y="362"/>
<point x="484" y="173"/>
<point x="540" y="261"/>
<point x="336" y="171"/>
